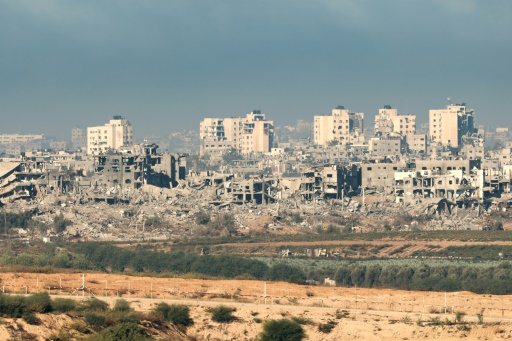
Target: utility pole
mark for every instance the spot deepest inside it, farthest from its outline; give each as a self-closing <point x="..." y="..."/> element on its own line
<point x="445" y="302"/>
<point x="342" y="200"/>
<point x="265" y="293"/>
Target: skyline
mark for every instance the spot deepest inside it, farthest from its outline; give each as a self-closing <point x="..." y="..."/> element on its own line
<point x="166" y="65"/>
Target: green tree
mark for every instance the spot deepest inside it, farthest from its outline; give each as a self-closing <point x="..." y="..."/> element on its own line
<point x="284" y="272"/>
<point x="282" y="330"/>
<point x="60" y="223"/>
<point x="202" y="217"/>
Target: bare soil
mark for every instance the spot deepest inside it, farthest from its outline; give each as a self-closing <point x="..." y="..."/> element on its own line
<point x="362" y="314"/>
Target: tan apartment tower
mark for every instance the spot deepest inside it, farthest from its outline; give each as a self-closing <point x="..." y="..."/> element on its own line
<point x="448" y="126"/>
<point x="340" y="127"/>
<point x="388" y="121"/>
<point x="250" y="134"/>
<point x="110" y="137"/>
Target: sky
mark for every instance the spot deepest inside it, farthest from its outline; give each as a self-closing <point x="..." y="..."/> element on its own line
<point x="166" y="64"/>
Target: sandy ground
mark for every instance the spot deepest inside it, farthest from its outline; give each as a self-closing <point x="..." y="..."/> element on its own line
<point x="381" y="314"/>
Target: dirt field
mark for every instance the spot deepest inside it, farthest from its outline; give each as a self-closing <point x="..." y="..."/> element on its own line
<point x="391" y="246"/>
<point x="366" y="313"/>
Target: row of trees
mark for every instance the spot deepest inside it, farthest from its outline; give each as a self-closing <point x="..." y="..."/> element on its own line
<point x="479" y="279"/>
<point x="104" y="257"/>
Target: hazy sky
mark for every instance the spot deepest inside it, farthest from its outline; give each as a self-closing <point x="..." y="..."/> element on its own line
<point x="165" y="64"/>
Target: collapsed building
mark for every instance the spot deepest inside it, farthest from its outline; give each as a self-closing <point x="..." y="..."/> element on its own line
<point x="130" y="171"/>
<point x="330" y="181"/>
<point x="114" y="176"/>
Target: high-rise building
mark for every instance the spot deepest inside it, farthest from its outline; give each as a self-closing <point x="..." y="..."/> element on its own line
<point x="448" y="126"/>
<point x="112" y="136"/>
<point x="388" y="121"/>
<point x="341" y="127"/>
<point x="250" y="134"/>
<point x="79" y="138"/>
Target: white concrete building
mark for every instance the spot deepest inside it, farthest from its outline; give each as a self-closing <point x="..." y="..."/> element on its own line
<point x="112" y="136"/>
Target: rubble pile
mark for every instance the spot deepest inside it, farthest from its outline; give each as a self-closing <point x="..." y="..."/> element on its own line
<point x="143" y="195"/>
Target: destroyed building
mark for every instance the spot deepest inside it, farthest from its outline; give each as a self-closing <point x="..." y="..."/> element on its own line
<point x="114" y="174"/>
<point x="126" y="172"/>
<point x="332" y="181"/>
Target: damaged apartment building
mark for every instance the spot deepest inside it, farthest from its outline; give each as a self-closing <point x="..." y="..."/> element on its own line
<point x="455" y="179"/>
<point x="115" y="175"/>
<point x="32" y="177"/>
<point x="125" y="172"/>
<point x="329" y="181"/>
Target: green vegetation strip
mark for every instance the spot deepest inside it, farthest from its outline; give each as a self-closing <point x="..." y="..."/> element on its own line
<point x="491" y="277"/>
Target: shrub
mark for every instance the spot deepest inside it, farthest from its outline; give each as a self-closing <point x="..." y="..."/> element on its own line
<point x="79" y="326"/>
<point x="60" y="223"/>
<point x="39" y="303"/>
<point x="30" y="317"/>
<point x="154" y="318"/>
<point x="124" y="318"/>
<point x="122" y="306"/>
<point x="94" y="320"/>
<point x="63" y="305"/>
<point x="202" y="217"/>
<point x="124" y="332"/>
<point x="282" y="330"/>
<point x="480" y="317"/>
<point x="154" y="221"/>
<point x="302" y="320"/>
<point x="332" y="229"/>
<point x="459" y="316"/>
<point x="222" y="314"/>
<point x="178" y="314"/>
<point x="12" y="306"/>
<point x="93" y="304"/>
<point x="60" y="336"/>
<point x="296" y="218"/>
<point x="326" y="327"/>
<point x="223" y="221"/>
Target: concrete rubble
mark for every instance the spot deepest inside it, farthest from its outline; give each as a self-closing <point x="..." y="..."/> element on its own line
<point x="139" y="194"/>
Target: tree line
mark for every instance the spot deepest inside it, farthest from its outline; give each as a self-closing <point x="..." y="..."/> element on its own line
<point x="478" y="279"/>
<point x="109" y="258"/>
<point x="495" y="279"/>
